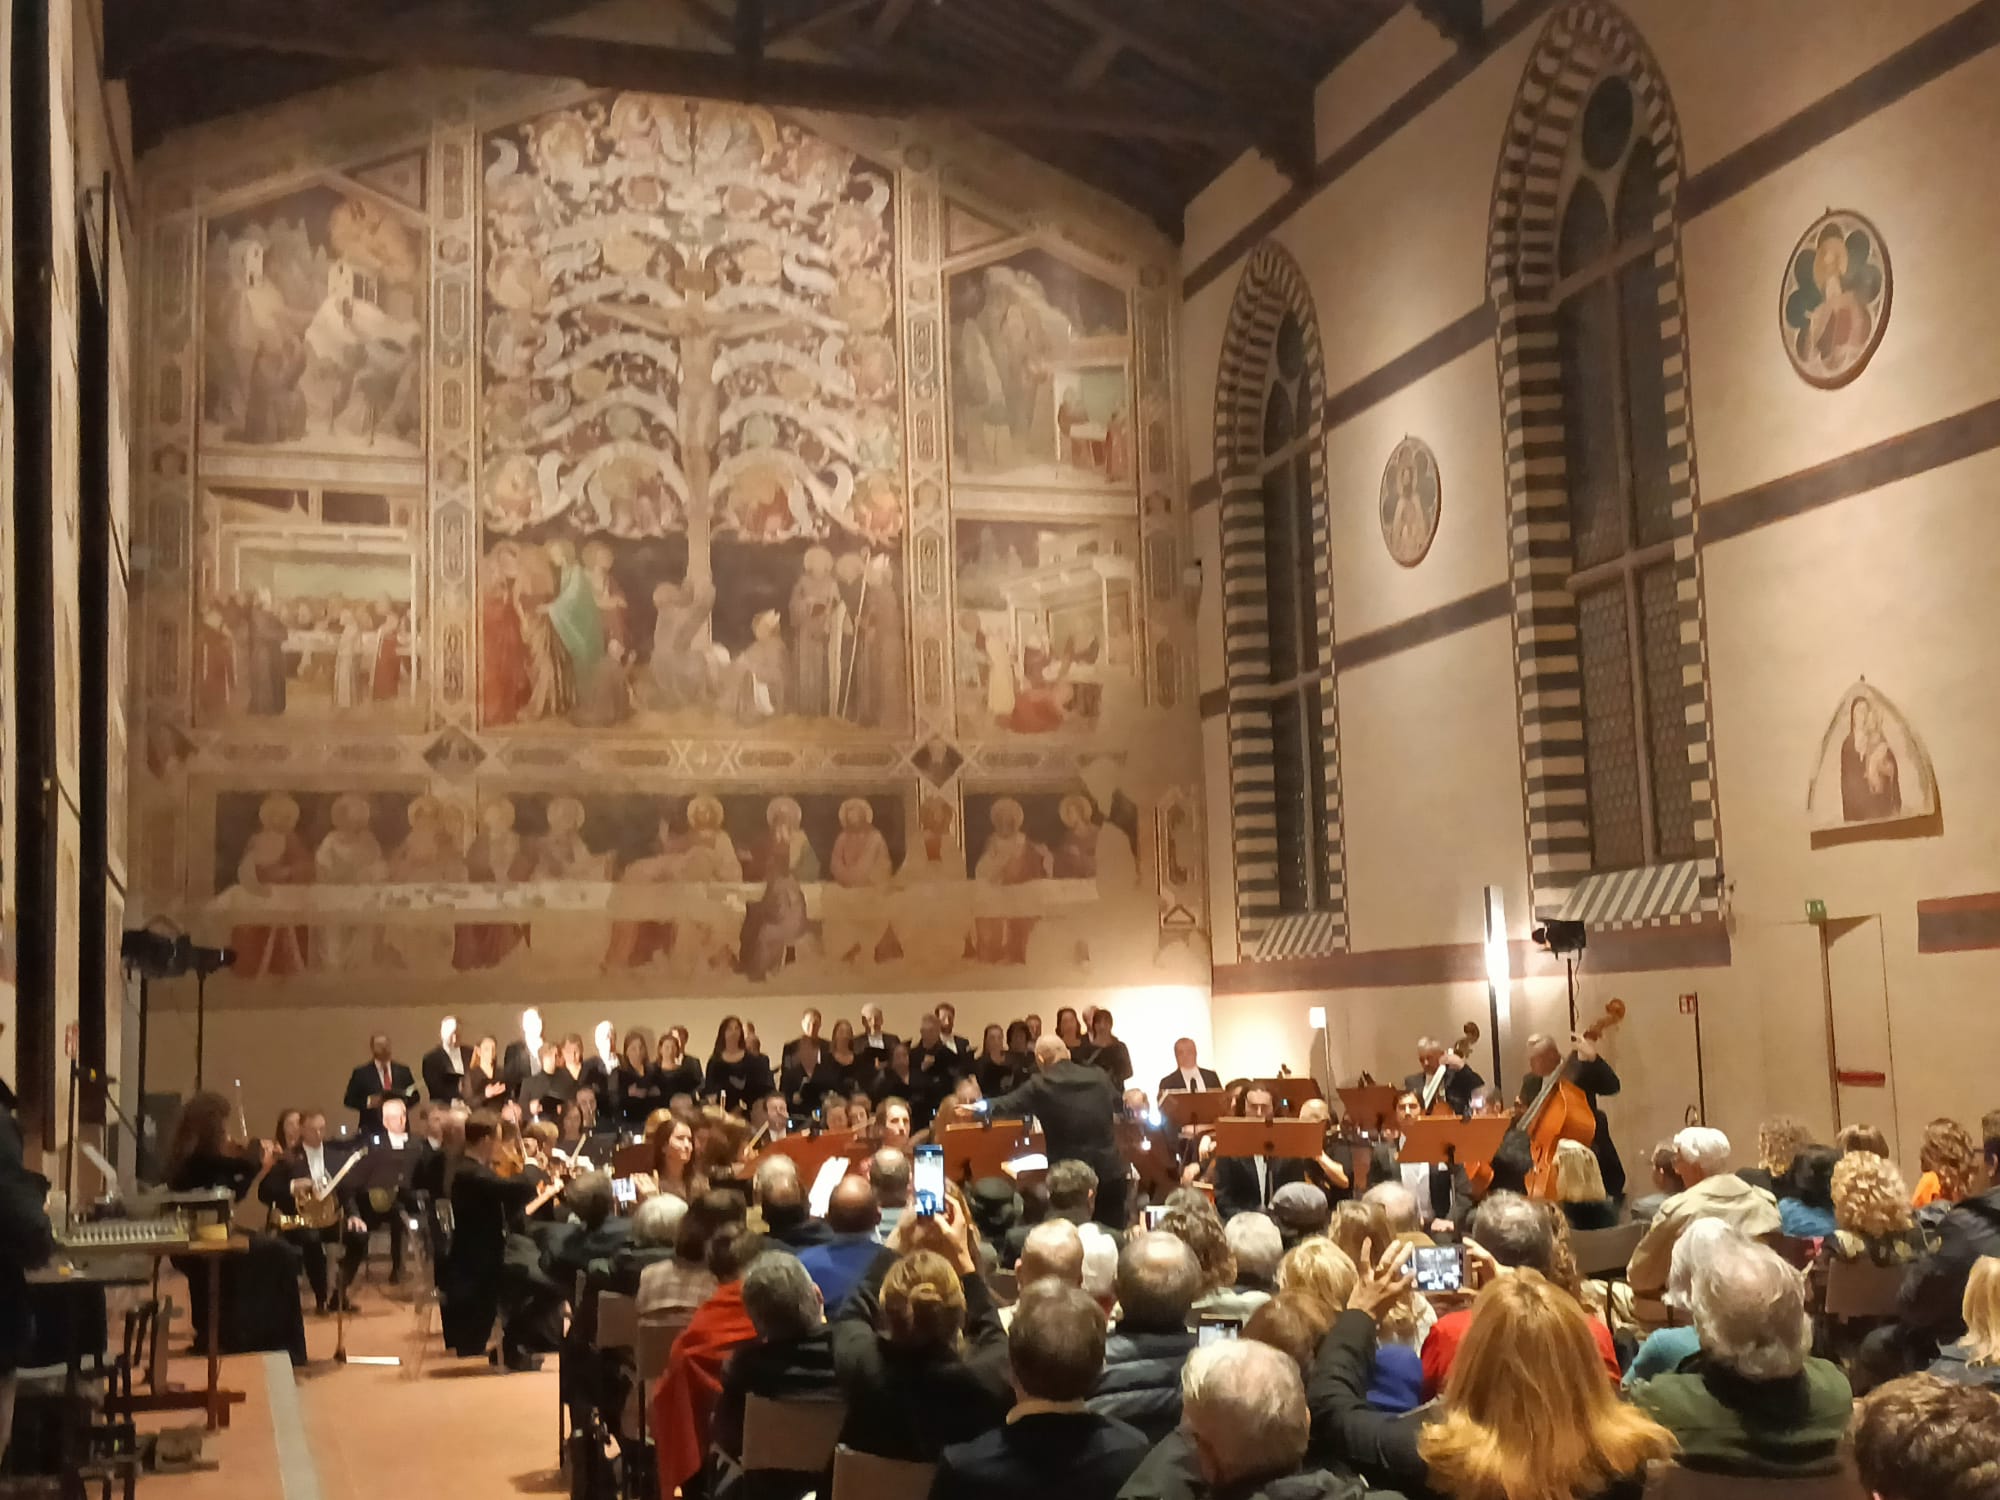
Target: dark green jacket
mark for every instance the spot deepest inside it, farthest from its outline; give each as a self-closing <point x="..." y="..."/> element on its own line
<point x="1728" y="1424"/>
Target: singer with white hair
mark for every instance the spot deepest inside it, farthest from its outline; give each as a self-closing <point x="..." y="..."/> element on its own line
<point x="443" y="1066"/>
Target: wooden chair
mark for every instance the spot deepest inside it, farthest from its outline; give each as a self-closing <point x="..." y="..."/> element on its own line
<point x="1604" y="1253"/>
<point x="1670" y="1482"/>
<point x="1862" y="1289"/>
<point x="863" y="1476"/>
<point x="798" y="1436"/>
<point x="617" y="1321"/>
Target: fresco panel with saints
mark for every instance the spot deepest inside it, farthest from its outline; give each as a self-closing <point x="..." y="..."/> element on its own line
<point x="692" y="481"/>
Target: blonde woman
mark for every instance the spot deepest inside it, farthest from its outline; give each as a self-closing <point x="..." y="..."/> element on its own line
<point x="1779" y="1141"/>
<point x="1580" y="1188"/>
<point x="1319" y="1268"/>
<point x="1975" y="1359"/>
<point x="1560" y="1434"/>
<point x="1947" y="1159"/>
<point x="1871" y="1211"/>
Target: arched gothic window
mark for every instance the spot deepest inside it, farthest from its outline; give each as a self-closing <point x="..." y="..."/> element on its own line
<point x="1586" y="278"/>
<point x="1277" y="602"/>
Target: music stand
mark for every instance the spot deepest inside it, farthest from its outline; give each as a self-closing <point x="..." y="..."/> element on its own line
<point x="1188" y="1111"/>
<point x="1287" y="1094"/>
<point x="629" y="1160"/>
<point x="983" y="1150"/>
<point x="1370" y="1107"/>
<point x="1279" y="1139"/>
<point x="1453" y="1142"/>
<point x="810" y="1152"/>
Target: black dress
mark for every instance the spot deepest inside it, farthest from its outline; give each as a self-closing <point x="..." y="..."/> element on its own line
<point x="639" y="1092"/>
<point x="260" y="1289"/>
<point x="684" y="1077"/>
<point x="739" y="1084"/>
<point x="802" y="1086"/>
<point x="1002" y="1077"/>
<point x="482" y="1202"/>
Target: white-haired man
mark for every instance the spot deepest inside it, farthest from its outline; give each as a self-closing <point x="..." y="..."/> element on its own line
<point x="443" y="1066"/>
<point x="1754" y="1401"/>
<point x="1701" y="1157"/>
<point x="1078" y="1110"/>
<point x="1243" y="1407"/>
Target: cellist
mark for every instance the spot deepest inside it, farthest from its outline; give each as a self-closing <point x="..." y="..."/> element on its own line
<point x="1595" y="1077"/>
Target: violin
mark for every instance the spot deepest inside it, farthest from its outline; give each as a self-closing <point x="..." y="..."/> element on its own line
<point x="1562" y="1111"/>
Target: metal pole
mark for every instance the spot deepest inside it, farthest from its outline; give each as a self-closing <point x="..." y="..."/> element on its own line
<point x="1700" y="1068"/>
<point x="200" y="1023"/>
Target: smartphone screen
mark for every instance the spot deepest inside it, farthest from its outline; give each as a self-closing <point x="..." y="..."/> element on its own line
<point x="1154" y="1213"/>
<point x="1439" y="1268"/>
<point x="1215" y="1333"/>
<point x="624" y="1192"/>
<point x="928" y="1180"/>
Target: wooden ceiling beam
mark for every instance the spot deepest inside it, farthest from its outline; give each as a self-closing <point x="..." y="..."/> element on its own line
<point x="889" y="20"/>
<point x="804" y="17"/>
<point x="318" y="28"/>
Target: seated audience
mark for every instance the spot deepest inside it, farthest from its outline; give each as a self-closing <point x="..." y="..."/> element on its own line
<point x="1934" y="1290"/>
<point x="918" y="1347"/>
<point x="1805" y="1200"/>
<point x="1665" y="1165"/>
<point x="1301" y="1211"/>
<point x="1494" y="1435"/>
<point x="595" y="1233"/>
<point x="656" y="1224"/>
<point x="1780" y="1139"/>
<point x="1580" y="1188"/>
<point x="1255" y="1247"/>
<point x="1051" y="1442"/>
<point x="1665" y="1348"/>
<point x="790" y="1359"/>
<point x="1248" y="1425"/>
<point x="1872" y="1216"/>
<point x="1947" y="1161"/>
<point x="1927" y="1439"/>
<point x="1158" y="1281"/>
<point x="1100" y="1266"/>
<point x="1318" y="1269"/>
<point x="685" y="1399"/>
<point x="889" y="1176"/>
<point x="1861" y="1138"/>
<point x="1509" y="1233"/>
<point x="1399" y="1210"/>
<point x="1072" y="1190"/>
<point x="1753" y="1401"/>
<point x="781" y="1199"/>
<point x="672" y="1289"/>
<point x="1701" y="1160"/>
<point x="1197" y="1227"/>
<point x="1053" y="1252"/>
<point x="1360" y="1223"/>
<point x="838" y="1263"/>
<point x="1975" y="1359"/>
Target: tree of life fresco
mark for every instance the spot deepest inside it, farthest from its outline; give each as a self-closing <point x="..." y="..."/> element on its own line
<point x="692" y="472"/>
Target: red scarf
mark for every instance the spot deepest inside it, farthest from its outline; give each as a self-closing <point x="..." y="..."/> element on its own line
<point x="684" y="1400"/>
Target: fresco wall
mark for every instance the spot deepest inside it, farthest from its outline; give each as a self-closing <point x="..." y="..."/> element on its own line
<point x="630" y="546"/>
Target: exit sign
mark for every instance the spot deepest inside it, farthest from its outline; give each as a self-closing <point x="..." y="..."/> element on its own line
<point x="1816" y="912"/>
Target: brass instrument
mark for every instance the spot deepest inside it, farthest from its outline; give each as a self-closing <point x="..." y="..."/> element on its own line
<point x="316" y="1208"/>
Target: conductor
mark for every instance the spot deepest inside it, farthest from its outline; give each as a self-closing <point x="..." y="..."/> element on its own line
<point x="1077" y="1107"/>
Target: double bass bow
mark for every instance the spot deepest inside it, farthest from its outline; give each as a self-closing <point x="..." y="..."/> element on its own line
<point x="1562" y="1112"/>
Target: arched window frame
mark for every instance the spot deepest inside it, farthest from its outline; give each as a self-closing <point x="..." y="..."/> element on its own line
<point x="1583" y="43"/>
<point x="1272" y="922"/>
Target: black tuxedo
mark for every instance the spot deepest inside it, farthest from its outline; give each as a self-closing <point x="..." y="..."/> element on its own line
<point x="365" y="1082"/>
<point x="1081" y="1455"/>
<point x="1457" y="1089"/>
<point x="1598" y="1079"/>
<point x="440" y="1082"/>
<point x="517" y="1066"/>
<point x="870" y="1056"/>
<point x="277" y="1192"/>
<point x="1173" y="1083"/>
<point x="1236" y="1190"/>
<point x="1078" y="1107"/>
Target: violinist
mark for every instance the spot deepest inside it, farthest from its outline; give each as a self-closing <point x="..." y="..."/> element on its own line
<point x="479" y="1281"/>
<point x="1442" y="1075"/>
<point x="1595" y="1077"/>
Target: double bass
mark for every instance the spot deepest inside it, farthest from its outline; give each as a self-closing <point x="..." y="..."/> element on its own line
<point x="1440" y="1107"/>
<point x="1562" y="1112"/>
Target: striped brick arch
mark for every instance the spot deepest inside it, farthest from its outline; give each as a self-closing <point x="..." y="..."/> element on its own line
<point x="1583" y="43"/>
<point x="1272" y="286"/>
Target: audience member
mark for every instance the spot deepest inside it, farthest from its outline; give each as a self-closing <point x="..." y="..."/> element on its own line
<point x="1934" y="1290"/>
<point x="672" y="1289"/>
<point x="1357" y="1224"/>
<point x="918" y="1345"/>
<point x="656" y="1224"/>
<point x="1255" y="1247"/>
<point x="1100" y="1266"/>
<point x="1666" y="1183"/>
<point x="1927" y="1439"/>
<point x="1072" y="1196"/>
<point x="1665" y="1348"/>
<point x="1248" y="1425"/>
<point x="1975" y="1359"/>
<point x="1872" y="1216"/>
<point x="1861" y="1138"/>
<point x="1293" y="1324"/>
<point x="1400" y="1210"/>
<point x="1053" y="1252"/>
<point x="1301" y="1211"/>
<point x="1753" y="1401"/>
<point x="1580" y="1188"/>
<point x="781" y="1199"/>
<point x="889" y="1176"/>
<point x="838" y="1263"/>
<point x="1805" y="1201"/>
<point x="1780" y="1139"/>
<point x="1947" y="1161"/>
<point x="1321" y="1270"/>
<point x="1701" y="1160"/>
<point x="1197" y="1227"/>
<point x="1052" y="1441"/>
<point x="685" y="1399"/>
<point x="1158" y="1281"/>
<point x="790" y="1359"/>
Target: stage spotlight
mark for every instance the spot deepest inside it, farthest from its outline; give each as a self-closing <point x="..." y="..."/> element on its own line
<point x="1559" y="936"/>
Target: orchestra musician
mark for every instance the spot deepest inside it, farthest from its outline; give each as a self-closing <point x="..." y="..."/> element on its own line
<point x="443" y="1066"/>
<point x="1595" y="1077"/>
<point x="1077" y="1108"/>
<point x="308" y="1171"/>
<point x="374" y="1083"/>
<point x="1442" y="1074"/>
<point x="409" y="1147"/>
<point x="473" y="1282"/>
<point x="1247" y="1183"/>
<point x="1188" y="1076"/>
